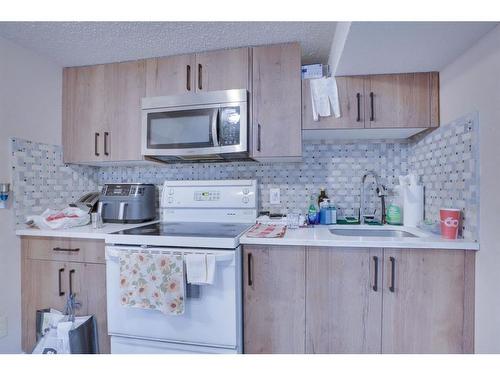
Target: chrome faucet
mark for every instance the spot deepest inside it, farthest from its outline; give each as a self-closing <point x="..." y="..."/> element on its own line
<point x="381" y="193"/>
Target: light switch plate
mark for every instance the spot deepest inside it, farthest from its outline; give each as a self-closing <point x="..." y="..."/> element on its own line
<point x="3" y="326"/>
<point x="274" y="196"/>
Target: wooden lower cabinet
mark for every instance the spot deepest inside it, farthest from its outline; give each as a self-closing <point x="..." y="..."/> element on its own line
<point x="274" y="299"/>
<point x="343" y="300"/>
<point x="45" y="282"/>
<point x="428" y="301"/>
<point x="348" y="300"/>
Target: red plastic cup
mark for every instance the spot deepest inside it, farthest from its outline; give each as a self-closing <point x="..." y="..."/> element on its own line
<point x="450" y="221"/>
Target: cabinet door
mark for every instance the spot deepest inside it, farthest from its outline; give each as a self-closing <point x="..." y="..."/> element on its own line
<point x="276" y="97"/>
<point x="125" y="87"/>
<point x="343" y="300"/>
<point x="222" y="70"/>
<point x="274" y="299"/>
<point x="45" y="284"/>
<point x="425" y="309"/>
<point x="95" y="287"/>
<point x="401" y="100"/>
<point x="351" y="100"/>
<point x="84" y="113"/>
<point x="170" y="75"/>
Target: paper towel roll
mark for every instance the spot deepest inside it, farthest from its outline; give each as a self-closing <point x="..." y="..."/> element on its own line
<point x="413" y="205"/>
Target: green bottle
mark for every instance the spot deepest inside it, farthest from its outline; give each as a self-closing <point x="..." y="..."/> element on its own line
<point x="312" y="214"/>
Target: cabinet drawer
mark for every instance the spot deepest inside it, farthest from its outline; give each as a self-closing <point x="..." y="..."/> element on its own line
<point x="65" y="249"/>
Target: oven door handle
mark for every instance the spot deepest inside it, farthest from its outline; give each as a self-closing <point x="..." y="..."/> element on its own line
<point x="215" y="127"/>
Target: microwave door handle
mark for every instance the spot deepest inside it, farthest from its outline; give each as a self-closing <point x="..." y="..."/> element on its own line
<point x="215" y="130"/>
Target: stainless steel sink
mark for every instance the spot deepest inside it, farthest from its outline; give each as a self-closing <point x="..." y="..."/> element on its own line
<point x="371" y="232"/>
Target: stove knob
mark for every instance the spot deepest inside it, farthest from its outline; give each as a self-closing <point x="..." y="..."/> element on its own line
<point x="170" y="200"/>
<point x="245" y="200"/>
<point x="170" y="191"/>
<point x="246" y="191"/>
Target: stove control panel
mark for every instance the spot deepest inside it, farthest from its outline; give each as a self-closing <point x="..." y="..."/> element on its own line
<point x="207" y="195"/>
<point x="218" y="194"/>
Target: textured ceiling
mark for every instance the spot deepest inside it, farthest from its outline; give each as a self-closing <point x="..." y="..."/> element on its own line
<point x="86" y="43"/>
<point x="395" y="47"/>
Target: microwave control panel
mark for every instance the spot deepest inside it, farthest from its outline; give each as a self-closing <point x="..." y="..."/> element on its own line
<point x="230" y="126"/>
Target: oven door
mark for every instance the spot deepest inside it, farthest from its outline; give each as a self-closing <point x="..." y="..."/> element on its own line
<point x="195" y="130"/>
<point x="212" y="315"/>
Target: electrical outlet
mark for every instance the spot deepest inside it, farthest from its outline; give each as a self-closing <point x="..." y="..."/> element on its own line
<point x="274" y="196"/>
<point x="3" y="326"/>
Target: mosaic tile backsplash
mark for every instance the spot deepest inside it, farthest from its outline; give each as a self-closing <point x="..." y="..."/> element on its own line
<point x="446" y="159"/>
<point x="41" y="180"/>
<point x="448" y="162"/>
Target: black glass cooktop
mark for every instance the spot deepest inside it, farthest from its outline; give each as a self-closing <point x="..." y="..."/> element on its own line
<point x="214" y="230"/>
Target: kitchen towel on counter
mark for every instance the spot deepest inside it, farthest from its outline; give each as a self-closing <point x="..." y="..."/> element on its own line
<point x="267" y="231"/>
<point x="324" y="93"/>
<point x="200" y="269"/>
<point x="152" y="281"/>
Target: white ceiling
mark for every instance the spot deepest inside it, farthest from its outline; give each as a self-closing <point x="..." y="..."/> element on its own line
<point x="86" y="43"/>
<point x="396" y="47"/>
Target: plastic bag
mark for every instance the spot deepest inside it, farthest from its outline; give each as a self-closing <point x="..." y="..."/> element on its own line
<point x="66" y="218"/>
<point x="58" y="334"/>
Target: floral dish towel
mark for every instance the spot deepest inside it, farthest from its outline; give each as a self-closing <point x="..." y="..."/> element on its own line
<point x="152" y="281"/>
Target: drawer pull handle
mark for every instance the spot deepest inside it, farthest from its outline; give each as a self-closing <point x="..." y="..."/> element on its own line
<point x="66" y="249"/>
<point x="61" y="293"/>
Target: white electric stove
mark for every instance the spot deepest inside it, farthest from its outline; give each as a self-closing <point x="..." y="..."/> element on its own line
<point x="196" y="216"/>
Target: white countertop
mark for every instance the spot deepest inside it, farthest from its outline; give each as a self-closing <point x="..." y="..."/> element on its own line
<point x="320" y="235"/>
<point x="84" y="231"/>
<point x="317" y="235"/>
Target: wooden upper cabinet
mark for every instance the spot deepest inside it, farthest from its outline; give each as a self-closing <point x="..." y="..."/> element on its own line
<point x="208" y="71"/>
<point x="401" y="100"/>
<point x="351" y="100"/>
<point x="126" y="87"/>
<point x="84" y="117"/>
<point x="274" y="299"/>
<point x="223" y="69"/>
<point x="429" y="310"/>
<point x="343" y="308"/>
<point x="170" y="75"/>
<point x="276" y="101"/>
<point x="101" y="112"/>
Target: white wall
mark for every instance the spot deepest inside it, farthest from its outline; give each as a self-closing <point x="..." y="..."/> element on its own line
<point x="472" y="83"/>
<point x="30" y="108"/>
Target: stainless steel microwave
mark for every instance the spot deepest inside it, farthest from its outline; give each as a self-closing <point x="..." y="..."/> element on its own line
<point x="196" y="127"/>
